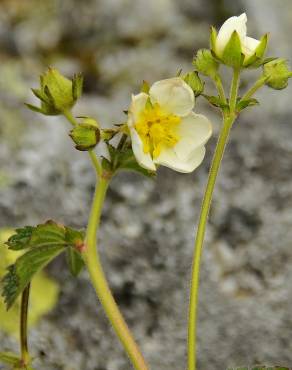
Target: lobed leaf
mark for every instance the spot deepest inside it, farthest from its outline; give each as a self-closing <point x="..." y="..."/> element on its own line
<point x="23" y="270"/>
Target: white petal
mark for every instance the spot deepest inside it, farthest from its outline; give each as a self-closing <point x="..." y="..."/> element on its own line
<point x="232" y="24"/>
<point x="173" y="95"/>
<point x="194" y="131"/>
<point x="142" y="158"/>
<point x="137" y="105"/>
<point x="249" y="46"/>
<point x="169" y="159"/>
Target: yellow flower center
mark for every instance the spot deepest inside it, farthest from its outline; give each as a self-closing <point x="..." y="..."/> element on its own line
<point x="157" y="129"/>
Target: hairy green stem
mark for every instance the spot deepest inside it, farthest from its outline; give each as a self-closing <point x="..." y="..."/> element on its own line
<point x="259" y="83"/>
<point x="98" y="279"/>
<point x="218" y="83"/>
<point x="25" y="358"/>
<point x="234" y="89"/>
<point x="228" y="120"/>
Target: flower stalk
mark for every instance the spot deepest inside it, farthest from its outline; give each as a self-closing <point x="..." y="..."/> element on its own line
<point x="99" y="282"/>
<point x="228" y="121"/>
<point x="92" y="260"/>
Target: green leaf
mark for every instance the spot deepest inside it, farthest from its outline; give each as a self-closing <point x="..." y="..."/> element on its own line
<point x="9" y="358"/>
<point x="23" y="270"/>
<point x="21" y="239"/>
<point x="125" y="160"/>
<point x="73" y="256"/>
<point x="49" y="233"/>
<point x="242" y="104"/>
<point x="74" y="261"/>
<point x="232" y="55"/>
<point x="216" y="101"/>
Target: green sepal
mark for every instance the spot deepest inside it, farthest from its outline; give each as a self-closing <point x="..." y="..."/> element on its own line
<point x="145" y="87"/>
<point x="23" y="270"/>
<point x="256" y="60"/>
<point x="213" y="38"/>
<point x="205" y="63"/>
<point x="242" y="104"/>
<point x="75" y="261"/>
<point x="8" y="358"/>
<point x="77" y="86"/>
<point x="85" y="136"/>
<point x="232" y="54"/>
<point x="195" y="83"/>
<point x="34" y="108"/>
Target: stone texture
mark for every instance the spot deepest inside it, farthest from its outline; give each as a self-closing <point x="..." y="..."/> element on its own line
<point x="148" y="226"/>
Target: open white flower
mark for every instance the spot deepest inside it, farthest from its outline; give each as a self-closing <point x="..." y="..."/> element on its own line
<point x="238" y="24"/>
<point x="164" y="129"/>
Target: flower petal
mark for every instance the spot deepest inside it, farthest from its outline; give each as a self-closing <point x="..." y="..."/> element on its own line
<point x="194" y="131"/>
<point x="137" y="105"/>
<point x="232" y="24"/>
<point x="249" y="46"/>
<point x="169" y="159"/>
<point x="142" y="158"/>
<point x="173" y="95"/>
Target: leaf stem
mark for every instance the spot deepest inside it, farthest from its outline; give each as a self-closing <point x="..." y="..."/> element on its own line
<point x="25" y="357"/>
<point x="228" y="120"/>
<point x="98" y="279"/>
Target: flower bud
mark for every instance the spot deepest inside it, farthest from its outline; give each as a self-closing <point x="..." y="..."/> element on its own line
<point x="205" y="63"/>
<point x="195" y="83"/>
<point x="86" y="135"/>
<point x="57" y="93"/>
<point x="277" y="73"/>
<point x="234" y="48"/>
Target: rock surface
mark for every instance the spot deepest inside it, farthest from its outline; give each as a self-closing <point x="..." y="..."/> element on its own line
<point x="148" y="226"/>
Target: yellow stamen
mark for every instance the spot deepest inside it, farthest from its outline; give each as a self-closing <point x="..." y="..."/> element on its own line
<point x="157" y="129"/>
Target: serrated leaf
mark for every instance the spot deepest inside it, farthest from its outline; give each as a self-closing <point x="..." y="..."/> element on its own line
<point x="215" y="101"/>
<point x="9" y="358"/>
<point x="23" y="270"/>
<point x="21" y="239"/>
<point x="74" y="261"/>
<point x="49" y="233"/>
<point x="242" y="104"/>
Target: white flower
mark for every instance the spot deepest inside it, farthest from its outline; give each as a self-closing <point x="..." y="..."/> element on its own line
<point x="238" y="24"/>
<point x="164" y="129"/>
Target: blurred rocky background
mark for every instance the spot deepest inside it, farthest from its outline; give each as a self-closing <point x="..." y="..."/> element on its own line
<point x="148" y="226"/>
